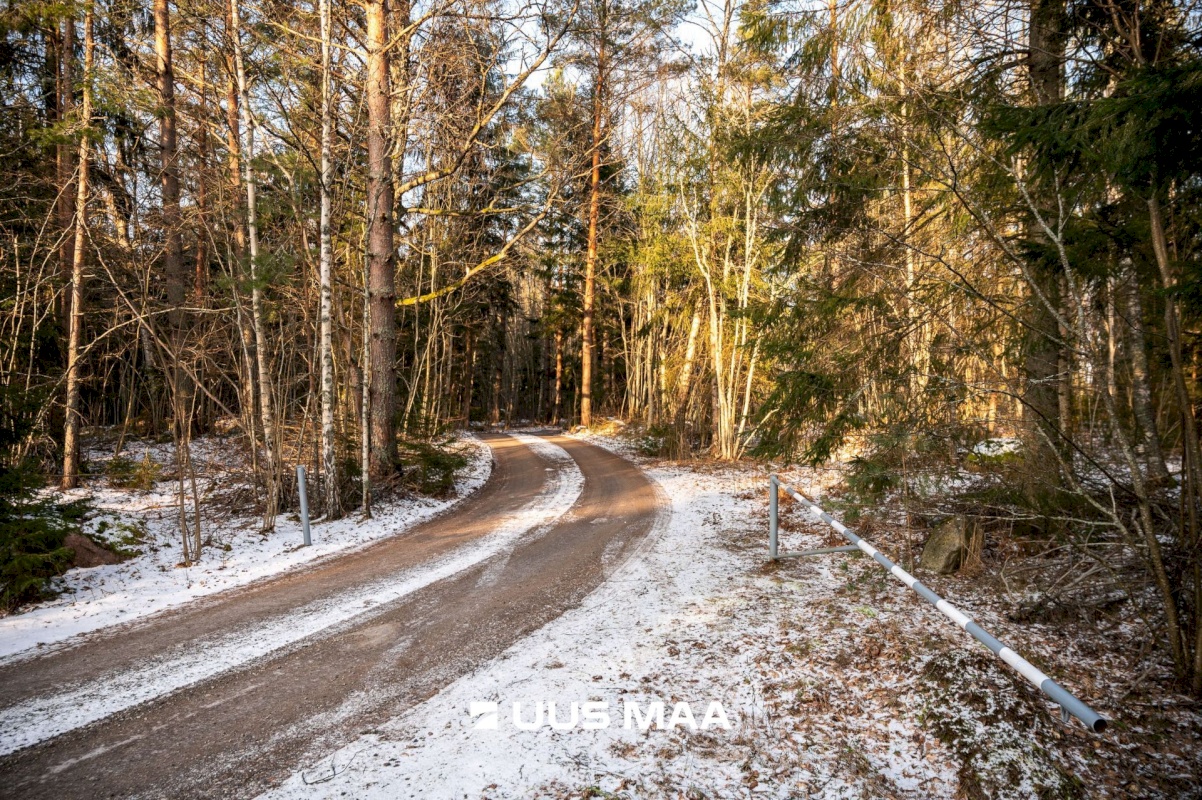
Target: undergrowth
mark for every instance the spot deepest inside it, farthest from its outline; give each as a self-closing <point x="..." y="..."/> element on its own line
<point x="32" y="531"/>
<point x="429" y="467"/>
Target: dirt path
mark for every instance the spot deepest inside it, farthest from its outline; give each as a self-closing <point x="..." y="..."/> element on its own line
<point x="238" y="733"/>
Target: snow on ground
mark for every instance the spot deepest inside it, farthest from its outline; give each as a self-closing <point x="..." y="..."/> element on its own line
<point x="43" y="717"/>
<point x="837" y="682"/>
<point x="98" y="597"/>
<point x="992" y="448"/>
<point x="835" y="679"/>
<point x="692" y="617"/>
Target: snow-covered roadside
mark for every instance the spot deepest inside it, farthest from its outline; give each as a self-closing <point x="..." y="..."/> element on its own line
<point x="693" y="618"/>
<point x="99" y="597"/>
<point x="41" y="718"/>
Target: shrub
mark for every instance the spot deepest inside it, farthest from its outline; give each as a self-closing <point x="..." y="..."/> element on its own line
<point x="654" y="441"/>
<point x="122" y="473"/>
<point x="429" y="468"/>
<point x="31" y="538"/>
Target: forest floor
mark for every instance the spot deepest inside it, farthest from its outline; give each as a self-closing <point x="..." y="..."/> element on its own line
<point x="835" y="680"/>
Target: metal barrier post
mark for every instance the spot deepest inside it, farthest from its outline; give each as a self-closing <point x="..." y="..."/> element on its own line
<point x="304" y="502"/>
<point x="773" y="510"/>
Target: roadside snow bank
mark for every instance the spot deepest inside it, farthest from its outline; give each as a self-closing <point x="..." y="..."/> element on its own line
<point x="98" y="597"/>
<point x="41" y="718"/>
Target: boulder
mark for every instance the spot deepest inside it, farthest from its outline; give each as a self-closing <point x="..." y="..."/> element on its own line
<point x="948" y="545"/>
<point x="88" y="553"/>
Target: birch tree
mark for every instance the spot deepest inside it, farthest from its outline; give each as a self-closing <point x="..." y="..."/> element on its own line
<point x="271" y="459"/>
<point x="333" y="506"/>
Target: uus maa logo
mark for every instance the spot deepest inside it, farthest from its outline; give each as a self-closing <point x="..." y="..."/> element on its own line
<point x="595" y="715"/>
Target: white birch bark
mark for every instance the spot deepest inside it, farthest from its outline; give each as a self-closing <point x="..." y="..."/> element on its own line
<point x="333" y="504"/>
<point x="270" y="439"/>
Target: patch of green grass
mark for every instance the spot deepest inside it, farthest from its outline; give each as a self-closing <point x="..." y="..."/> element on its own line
<point x="126" y="539"/>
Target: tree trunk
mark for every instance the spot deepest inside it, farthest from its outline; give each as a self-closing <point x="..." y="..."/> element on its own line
<point x="557" y="401"/>
<point x="173" y="259"/>
<point x="238" y="240"/>
<point x="590" y="260"/>
<point x="498" y="369"/>
<point x="469" y="360"/>
<point x="380" y="251"/>
<point x="328" y="456"/>
<point x="684" y="387"/>
<point x="1192" y="461"/>
<point x="200" y="278"/>
<point x="1141" y="389"/>
<point x="365" y="433"/>
<point x="1189" y="430"/>
<point x="73" y="422"/>
<point x="1042" y="356"/>
<point x="66" y="155"/>
<point x="266" y="414"/>
<point x="1064" y="386"/>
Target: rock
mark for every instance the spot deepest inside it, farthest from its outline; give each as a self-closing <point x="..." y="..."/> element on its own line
<point x="88" y="553"/>
<point x="948" y="545"/>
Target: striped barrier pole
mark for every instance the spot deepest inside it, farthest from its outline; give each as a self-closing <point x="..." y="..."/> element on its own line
<point x="1068" y="703"/>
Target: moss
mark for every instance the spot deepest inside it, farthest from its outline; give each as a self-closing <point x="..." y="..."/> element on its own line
<point x="126" y="539"/>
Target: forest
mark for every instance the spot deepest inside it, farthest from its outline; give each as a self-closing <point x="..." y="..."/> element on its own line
<point x="926" y="239"/>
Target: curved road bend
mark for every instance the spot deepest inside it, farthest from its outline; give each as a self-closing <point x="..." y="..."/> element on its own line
<point x="242" y="731"/>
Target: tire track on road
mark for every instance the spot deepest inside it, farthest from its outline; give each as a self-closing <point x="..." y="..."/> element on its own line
<point x="46" y="716"/>
<point x="241" y="732"/>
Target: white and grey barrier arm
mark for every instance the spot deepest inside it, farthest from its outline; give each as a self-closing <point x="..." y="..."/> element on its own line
<point x="1068" y="703"/>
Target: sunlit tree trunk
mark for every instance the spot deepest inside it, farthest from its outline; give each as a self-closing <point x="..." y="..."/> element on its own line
<point x="365" y="432"/>
<point x="590" y="259"/>
<point x="248" y="404"/>
<point x="380" y="251"/>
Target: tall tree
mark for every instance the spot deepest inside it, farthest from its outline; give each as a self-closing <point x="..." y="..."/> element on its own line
<point x="79" y="250"/>
<point x="1046" y="336"/>
<point x="266" y="405"/>
<point x="65" y="162"/>
<point x="328" y="453"/>
<point x="600" y="82"/>
<point x="381" y="281"/>
<point x="173" y="257"/>
<point x="618" y="42"/>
